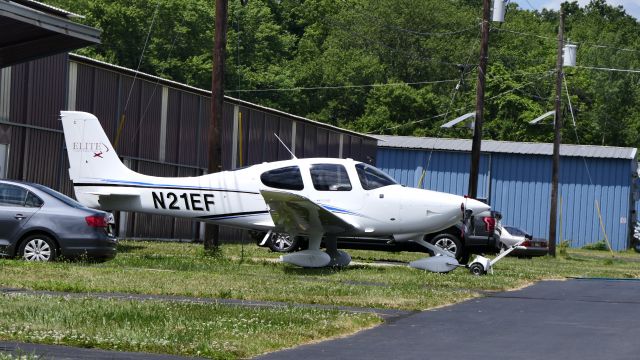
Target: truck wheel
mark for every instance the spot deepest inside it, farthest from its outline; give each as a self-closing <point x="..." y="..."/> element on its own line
<point x="452" y="244"/>
<point x="282" y="242"/>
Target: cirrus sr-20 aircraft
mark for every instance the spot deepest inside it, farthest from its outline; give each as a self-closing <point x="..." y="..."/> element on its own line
<point x="321" y="198"/>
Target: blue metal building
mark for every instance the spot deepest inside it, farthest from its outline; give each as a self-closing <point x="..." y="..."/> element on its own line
<point x="515" y="179"/>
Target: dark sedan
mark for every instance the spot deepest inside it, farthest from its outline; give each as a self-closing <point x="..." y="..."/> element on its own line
<point x="40" y="224"/>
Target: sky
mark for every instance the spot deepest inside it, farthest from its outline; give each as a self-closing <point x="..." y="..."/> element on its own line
<point x="632" y="7"/>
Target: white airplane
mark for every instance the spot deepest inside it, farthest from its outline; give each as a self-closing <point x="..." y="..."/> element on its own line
<point x="321" y="198"/>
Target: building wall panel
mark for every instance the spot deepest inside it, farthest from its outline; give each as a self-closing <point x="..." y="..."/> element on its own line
<point x="189" y="131"/>
<point x="174" y="109"/>
<point x="333" y="144"/>
<point x="226" y="136"/>
<point x="310" y="145"/>
<point x="204" y="118"/>
<point x="271" y="143"/>
<point x="47" y="91"/>
<point x="443" y="171"/>
<point x="19" y="93"/>
<point x="130" y="100"/>
<point x="254" y="139"/>
<point x="285" y="135"/>
<point x="148" y="127"/>
<point x="519" y="186"/>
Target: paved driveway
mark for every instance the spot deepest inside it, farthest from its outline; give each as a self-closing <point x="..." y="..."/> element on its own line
<point x="574" y="319"/>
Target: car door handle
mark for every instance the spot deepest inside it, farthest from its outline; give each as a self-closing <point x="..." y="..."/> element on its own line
<point x="19" y="217"/>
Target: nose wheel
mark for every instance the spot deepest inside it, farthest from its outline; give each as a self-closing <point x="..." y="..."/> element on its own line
<point x="477" y="269"/>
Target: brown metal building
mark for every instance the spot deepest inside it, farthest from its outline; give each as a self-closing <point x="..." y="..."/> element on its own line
<point x="164" y="132"/>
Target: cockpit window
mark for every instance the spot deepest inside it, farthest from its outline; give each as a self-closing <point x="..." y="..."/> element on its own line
<point x="287" y="178"/>
<point x="330" y="177"/>
<point x="372" y="178"/>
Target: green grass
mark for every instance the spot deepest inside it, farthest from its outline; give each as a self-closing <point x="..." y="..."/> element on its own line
<point x="250" y="273"/>
<point x="215" y="331"/>
<point x="184" y="269"/>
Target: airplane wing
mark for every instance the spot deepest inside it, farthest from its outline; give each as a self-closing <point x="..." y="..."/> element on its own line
<point x="296" y="214"/>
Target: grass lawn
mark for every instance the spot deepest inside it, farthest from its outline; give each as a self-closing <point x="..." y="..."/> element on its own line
<point x="249" y="273"/>
<point x="215" y="331"/>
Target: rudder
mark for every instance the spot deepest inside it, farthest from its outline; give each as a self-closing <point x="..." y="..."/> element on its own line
<point x="91" y="155"/>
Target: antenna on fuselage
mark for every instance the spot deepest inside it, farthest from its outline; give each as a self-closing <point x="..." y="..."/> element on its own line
<point x="285" y="146"/>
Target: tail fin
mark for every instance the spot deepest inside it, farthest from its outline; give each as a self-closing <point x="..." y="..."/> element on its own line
<point x="90" y="152"/>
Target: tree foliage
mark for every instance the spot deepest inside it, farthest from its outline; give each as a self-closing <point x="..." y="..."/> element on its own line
<point x="396" y="67"/>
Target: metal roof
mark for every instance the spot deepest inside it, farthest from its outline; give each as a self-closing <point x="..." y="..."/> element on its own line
<point x="32" y="30"/>
<point x="510" y="147"/>
<point x="47" y="8"/>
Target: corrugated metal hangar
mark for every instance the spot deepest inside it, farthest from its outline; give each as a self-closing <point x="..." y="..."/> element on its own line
<point x="515" y="179"/>
<point x="164" y="133"/>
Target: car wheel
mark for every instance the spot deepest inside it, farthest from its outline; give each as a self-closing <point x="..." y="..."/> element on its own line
<point x="452" y="244"/>
<point x="38" y="248"/>
<point x="282" y="242"/>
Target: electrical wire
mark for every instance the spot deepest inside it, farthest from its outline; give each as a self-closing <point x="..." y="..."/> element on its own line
<point x="144" y="48"/>
<point x="155" y="87"/>
<point x="583" y="43"/>
<point x="344" y="86"/>
<point x="609" y="69"/>
<point x="378" y="42"/>
<point x="547" y="73"/>
<point x="135" y="77"/>
<point x="575" y="126"/>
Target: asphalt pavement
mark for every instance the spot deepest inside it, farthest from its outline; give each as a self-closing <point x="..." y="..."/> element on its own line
<point x="573" y="319"/>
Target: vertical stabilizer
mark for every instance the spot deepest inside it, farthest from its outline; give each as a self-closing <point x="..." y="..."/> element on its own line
<point x="91" y="155"/>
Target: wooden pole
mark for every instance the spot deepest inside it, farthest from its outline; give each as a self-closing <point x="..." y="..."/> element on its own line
<point x="477" y="129"/>
<point x="555" y="169"/>
<point x="211" y="237"/>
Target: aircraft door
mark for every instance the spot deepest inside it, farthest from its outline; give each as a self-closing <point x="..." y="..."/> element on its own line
<point x="378" y="196"/>
<point x="332" y="188"/>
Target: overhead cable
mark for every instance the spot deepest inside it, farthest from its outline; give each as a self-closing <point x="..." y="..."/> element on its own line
<point x="345" y="86"/>
<point x="465" y="107"/>
<point x="609" y="69"/>
<point x="583" y="43"/>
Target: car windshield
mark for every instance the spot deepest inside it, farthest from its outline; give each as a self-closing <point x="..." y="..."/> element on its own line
<point x="373" y="178"/>
<point x="515" y="231"/>
<point x="64" y="198"/>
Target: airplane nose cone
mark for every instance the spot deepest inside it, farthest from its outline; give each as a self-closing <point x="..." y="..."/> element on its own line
<point x="476" y="206"/>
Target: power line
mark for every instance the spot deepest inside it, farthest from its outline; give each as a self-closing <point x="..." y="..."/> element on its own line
<point x="609" y="69"/>
<point x="372" y="41"/>
<point x="547" y="73"/>
<point x="345" y="86"/>
<point x="524" y="33"/>
<point x="423" y="33"/>
<point x="583" y="43"/>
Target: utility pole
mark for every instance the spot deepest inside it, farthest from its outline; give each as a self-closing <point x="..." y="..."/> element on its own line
<point x="211" y="233"/>
<point x="477" y="129"/>
<point x="555" y="169"/>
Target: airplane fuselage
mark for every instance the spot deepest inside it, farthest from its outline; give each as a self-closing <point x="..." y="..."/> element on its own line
<point x="233" y="198"/>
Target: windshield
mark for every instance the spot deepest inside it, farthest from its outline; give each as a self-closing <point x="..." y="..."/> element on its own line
<point x="64" y="198"/>
<point x="373" y="178"/>
<point x="515" y="231"/>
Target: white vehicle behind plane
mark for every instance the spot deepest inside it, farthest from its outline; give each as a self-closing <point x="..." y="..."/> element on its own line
<point x="321" y="198"/>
